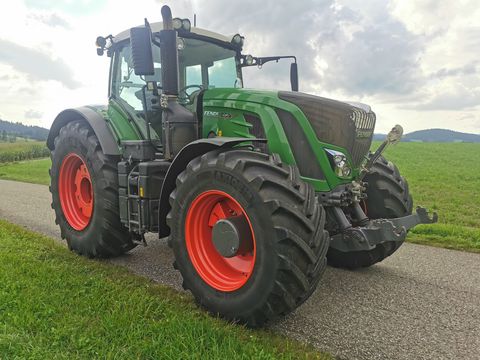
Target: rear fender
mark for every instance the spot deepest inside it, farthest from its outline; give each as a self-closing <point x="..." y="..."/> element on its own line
<point x="180" y="162"/>
<point x="97" y="122"/>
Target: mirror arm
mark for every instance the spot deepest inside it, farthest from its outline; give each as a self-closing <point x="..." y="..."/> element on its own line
<point x="259" y="61"/>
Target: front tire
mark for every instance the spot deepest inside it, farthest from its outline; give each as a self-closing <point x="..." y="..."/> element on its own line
<point x="84" y="187"/>
<point x="284" y="257"/>
<point x="388" y="197"/>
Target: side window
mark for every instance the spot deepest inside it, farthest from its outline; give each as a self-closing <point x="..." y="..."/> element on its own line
<point x="193" y="75"/>
<point x="128" y="86"/>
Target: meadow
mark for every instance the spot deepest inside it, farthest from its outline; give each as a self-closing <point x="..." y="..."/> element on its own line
<point x="444" y="177"/>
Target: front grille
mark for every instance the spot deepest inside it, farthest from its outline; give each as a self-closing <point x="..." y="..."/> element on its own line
<point x="336" y="122"/>
<point x="364" y="125"/>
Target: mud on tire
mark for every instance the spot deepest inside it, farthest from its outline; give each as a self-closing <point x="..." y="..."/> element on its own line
<point x="104" y="236"/>
<point x="288" y="226"/>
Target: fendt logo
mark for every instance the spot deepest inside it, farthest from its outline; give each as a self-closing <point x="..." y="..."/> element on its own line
<point x="211" y="113"/>
<point x="364" y="133"/>
<point x="222" y="115"/>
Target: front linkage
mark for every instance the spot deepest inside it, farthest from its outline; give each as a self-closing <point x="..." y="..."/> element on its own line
<point x="380" y="231"/>
<point x="356" y="232"/>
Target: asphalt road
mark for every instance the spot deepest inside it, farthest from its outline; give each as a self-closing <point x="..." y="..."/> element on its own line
<point x="421" y="303"/>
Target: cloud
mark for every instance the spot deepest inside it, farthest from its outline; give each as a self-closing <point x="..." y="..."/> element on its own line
<point x="468" y="69"/>
<point x="339" y="48"/>
<point x="365" y="56"/>
<point x="51" y="19"/>
<point x="458" y="98"/>
<point x="33" y="114"/>
<point x="36" y="64"/>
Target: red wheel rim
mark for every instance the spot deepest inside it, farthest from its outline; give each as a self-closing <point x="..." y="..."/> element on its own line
<point x="221" y="273"/>
<point x="76" y="192"/>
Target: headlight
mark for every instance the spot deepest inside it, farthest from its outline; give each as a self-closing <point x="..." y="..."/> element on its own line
<point x="181" y="24"/>
<point x="180" y="44"/>
<point x="186" y="25"/>
<point x="249" y="60"/>
<point x="238" y="39"/>
<point x="177" y="23"/>
<point x="339" y="163"/>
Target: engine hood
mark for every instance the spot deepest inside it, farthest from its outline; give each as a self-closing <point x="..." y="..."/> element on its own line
<point x="347" y="125"/>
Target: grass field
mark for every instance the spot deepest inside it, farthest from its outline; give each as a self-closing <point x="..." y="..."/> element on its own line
<point x="56" y="305"/>
<point x="444" y="177"/>
<point x="32" y="171"/>
<point x="22" y="150"/>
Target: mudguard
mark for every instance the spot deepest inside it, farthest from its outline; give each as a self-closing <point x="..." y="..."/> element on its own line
<point x="91" y="114"/>
<point x="180" y="162"/>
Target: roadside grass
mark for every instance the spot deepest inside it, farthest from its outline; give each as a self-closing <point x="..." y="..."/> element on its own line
<point x="22" y="150"/>
<point x="32" y="171"/>
<point x="444" y="177"/>
<point x="56" y="305"/>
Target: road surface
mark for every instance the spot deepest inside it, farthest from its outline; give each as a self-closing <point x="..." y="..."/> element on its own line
<point x="421" y="303"/>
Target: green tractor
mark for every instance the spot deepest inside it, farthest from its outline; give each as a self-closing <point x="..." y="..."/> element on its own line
<point x="255" y="190"/>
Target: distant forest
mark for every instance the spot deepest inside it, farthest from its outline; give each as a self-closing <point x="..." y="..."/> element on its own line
<point x="10" y="131"/>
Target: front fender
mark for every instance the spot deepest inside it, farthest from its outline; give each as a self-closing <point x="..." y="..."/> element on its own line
<point x="90" y="114"/>
<point x="180" y="162"/>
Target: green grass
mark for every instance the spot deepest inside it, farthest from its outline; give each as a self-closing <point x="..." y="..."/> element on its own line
<point x="56" y="305"/>
<point x="33" y="171"/>
<point x="443" y="177"/>
<point x="22" y="150"/>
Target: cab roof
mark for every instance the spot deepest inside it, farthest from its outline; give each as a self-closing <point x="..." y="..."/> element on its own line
<point x="156" y="27"/>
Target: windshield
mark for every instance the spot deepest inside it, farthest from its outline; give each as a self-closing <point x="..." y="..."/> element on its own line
<point x="207" y="65"/>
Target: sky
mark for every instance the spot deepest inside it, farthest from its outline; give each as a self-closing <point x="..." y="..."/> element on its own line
<point x="415" y="62"/>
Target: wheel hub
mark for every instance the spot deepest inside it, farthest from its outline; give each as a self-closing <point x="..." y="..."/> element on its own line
<point x="231" y="235"/>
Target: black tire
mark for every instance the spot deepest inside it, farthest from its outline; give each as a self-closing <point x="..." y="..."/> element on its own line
<point x="104" y="236"/>
<point x="288" y="225"/>
<point x="388" y="197"/>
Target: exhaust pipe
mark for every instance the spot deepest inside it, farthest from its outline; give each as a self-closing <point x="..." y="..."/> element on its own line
<point x="179" y="124"/>
<point x="169" y="54"/>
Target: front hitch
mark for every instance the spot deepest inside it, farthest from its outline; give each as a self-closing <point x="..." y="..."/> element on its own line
<point x="378" y="231"/>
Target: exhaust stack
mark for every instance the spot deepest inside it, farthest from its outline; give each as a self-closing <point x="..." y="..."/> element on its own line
<point x="179" y="124"/>
<point x="169" y="54"/>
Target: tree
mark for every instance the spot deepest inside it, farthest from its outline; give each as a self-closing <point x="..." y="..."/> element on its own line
<point x="4" y="135"/>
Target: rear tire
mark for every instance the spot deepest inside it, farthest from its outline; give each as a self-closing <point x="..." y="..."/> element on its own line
<point x="388" y="197"/>
<point x="100" y="232"/>
<point x="286" y="222"/>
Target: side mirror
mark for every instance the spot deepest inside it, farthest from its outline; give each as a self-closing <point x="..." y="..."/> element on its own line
<point x="141" y="43"/>
<point x="294" y="76"/>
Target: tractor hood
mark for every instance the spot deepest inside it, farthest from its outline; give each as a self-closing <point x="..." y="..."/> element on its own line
<point x="265" y="97"/>
<point x="347" y="125"/>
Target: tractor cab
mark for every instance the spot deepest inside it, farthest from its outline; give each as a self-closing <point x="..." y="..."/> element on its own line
<point x="206" y="60"/>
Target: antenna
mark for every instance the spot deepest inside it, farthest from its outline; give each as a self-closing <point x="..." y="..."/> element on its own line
<point x="194" y="20"/>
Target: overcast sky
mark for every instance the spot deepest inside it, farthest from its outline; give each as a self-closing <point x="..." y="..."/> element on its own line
<point x="416" y="62"/>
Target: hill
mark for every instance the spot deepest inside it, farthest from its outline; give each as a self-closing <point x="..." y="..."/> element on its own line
<point x="435" y="135"/>
<point x="25" y="131"/>
<point x="441" y="135"/>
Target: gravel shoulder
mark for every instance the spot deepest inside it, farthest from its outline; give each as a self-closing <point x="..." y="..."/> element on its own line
<point x="421" y="303"/>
